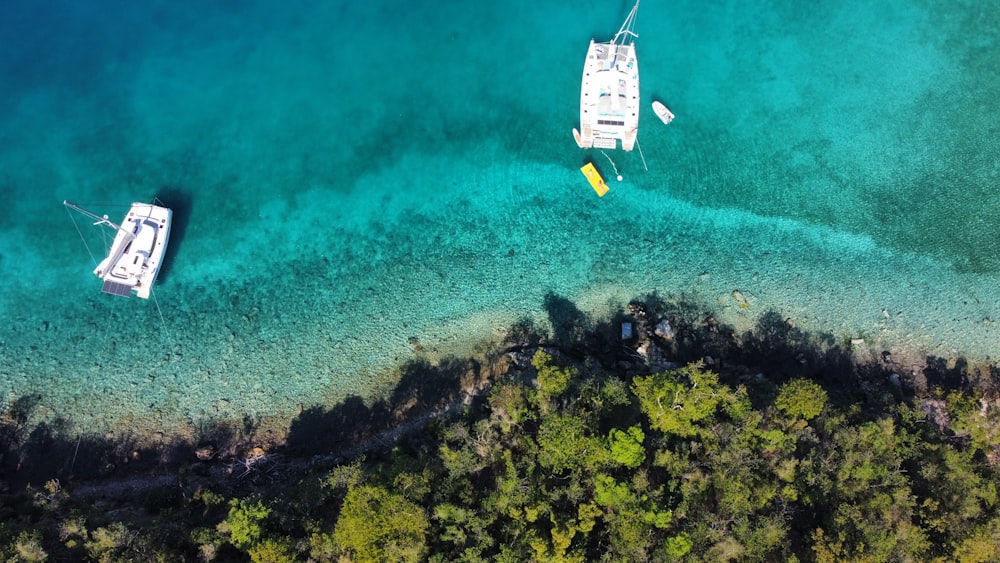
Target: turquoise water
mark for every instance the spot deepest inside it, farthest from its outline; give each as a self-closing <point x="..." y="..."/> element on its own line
<point x="348" y="176"/>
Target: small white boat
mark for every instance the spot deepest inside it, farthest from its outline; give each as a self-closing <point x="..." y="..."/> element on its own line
<point x="665" y="115"/>
<point x="609" y="92"/>
<point x="137" y="251"/>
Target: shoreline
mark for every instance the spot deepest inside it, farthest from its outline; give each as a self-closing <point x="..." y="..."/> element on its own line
<point x="432" y="383"/>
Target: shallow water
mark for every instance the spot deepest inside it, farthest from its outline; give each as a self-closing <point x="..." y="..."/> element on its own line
<point x="347" y="177"/>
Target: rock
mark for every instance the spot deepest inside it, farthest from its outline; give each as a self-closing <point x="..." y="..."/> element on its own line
<point x="937" y="411"/>
<point x="664" y="330"/>
<point x="205" y="453"/>
<point x="521" y="358"/>
<point x="740" y="299"/>
<point x="638" y="310"/>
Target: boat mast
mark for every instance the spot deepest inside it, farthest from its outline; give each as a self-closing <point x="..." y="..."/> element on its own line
<point x="626" y="30"/>
<point x="100" y="220"/>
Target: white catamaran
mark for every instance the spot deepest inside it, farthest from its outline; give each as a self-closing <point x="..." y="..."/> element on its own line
<point x="137" y="251"/>
<point x="609" y="94"/>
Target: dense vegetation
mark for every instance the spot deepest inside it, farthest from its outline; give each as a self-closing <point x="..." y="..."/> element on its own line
<point x="564" y="460"/>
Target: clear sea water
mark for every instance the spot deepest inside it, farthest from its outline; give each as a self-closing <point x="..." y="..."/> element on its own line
<point x="348" y="176"/>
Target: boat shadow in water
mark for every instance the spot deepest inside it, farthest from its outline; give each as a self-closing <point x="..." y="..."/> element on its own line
<point x="180" y="202"/>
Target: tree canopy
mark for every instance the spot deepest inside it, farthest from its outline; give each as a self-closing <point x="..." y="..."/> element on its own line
<point x="566" y="462"/>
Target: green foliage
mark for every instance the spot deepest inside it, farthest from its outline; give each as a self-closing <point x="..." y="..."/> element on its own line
<point x="557" y="547"/>
<point x="587" y="515"/>
<point x="459" y="461"/>
<point x="873" y="506"/>
<point x="801" y="398"/>
<point x="626" y="447"/>
<point x="73" y="528"/>
<point x="208" y="541"/>
<point x="322" y="547"/>
<point x="658" y="518"/>
<point x="565" y="443"/>
<point x="981" y="545"/>
<point x="978" y="417"/>
<point x="552" y="379"/>
<point x="613" y="393"/>
<point x="956" y="493"/>
<point x="679" y="545"/>
<point x="676" y="401"/>
<point x="509" y="406"/>
<point x="376" y="525"/>
<point x="111" y="542"/>
<point x="273" y="550"/>
<point x="28" y="548"/>
<point x="571" y="471"/>
<point x="611" y="493"/>
<point x="346" y="476"/>
<point x="244" y="522"/>
<point x="511" y="493"/>
<point x="413" y="486"/>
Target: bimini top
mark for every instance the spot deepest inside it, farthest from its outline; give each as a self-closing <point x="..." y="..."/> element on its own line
<point x="609" y="92"/>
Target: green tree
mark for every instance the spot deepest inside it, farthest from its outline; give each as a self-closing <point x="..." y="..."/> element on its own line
<point x="552" y="379"/>
<point x="376" y="525"/>
<point x="978" y="417"/>
<point x="272" y="550"/>
<point x="676" y="401"/>
<point x="981" y="545"/>
<point x="678" y="545"/>
<point x="610" y="493"/>
<point x="868" y="506"/>
<point x="244" y="522"/>
<point x="112" y="542"/>
<point x="626" y="447"/>
<point x="565" y="443"/>
<point x="28" y="548"/>
<point x="509" y="406"/>
<point x="801" y="398"/>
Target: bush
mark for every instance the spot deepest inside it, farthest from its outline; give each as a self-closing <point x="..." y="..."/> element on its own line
<point x="801" y="398"/>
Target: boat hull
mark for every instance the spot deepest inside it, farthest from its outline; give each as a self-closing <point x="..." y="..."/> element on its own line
<point x="665" y="115"/>
<point x="609" y="97"/>
<point x="137" y="251"/>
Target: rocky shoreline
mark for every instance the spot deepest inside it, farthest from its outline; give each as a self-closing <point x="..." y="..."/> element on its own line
<point x="646" y="337"/>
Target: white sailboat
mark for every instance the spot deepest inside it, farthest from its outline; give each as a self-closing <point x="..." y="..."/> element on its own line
<point x="137" y="251"/>
<point x="609" y="92"/>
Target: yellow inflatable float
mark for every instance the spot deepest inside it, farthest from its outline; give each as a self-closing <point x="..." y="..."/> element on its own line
<point x="595" y="179"/>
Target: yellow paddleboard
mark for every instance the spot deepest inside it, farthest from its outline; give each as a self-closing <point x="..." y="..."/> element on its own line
<point x="594" y="177"/>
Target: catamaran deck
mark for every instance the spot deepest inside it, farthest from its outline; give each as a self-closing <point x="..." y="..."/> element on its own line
<point x="609" y="96"/>
<point x="137" y="250"/>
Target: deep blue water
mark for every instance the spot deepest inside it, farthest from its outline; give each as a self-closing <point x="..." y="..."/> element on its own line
<point x="349" y="176"/>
